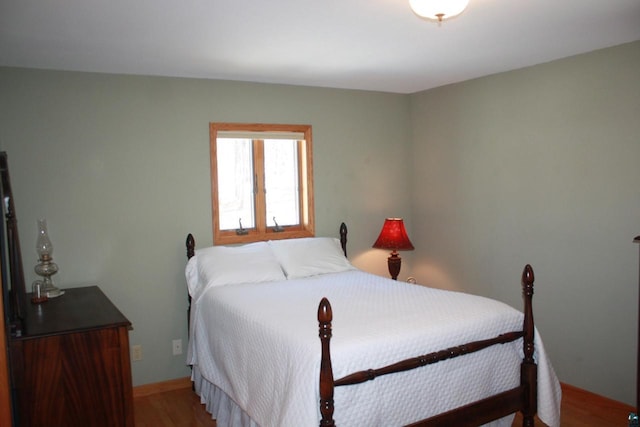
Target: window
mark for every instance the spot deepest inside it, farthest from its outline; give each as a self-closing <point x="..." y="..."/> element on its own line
<point x="261" y="182"/>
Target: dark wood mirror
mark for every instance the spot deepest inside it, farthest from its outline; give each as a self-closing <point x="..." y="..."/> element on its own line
<point x="13" y="286"/>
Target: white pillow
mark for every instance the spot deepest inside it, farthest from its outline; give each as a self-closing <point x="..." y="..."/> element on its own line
<point x="310" y="256"/>
<point x="191" y="273"/>
<point x="229" y="265"/>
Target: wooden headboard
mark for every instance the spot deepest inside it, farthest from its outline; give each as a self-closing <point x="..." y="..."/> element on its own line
<point x="13" y="287"/>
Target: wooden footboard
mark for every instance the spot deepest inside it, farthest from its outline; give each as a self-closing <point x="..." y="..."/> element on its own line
<point x="522" y="398"/>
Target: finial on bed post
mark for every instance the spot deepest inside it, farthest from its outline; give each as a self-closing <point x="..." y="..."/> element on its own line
<point x="529" y="370"/>
<point x="527" y="292"/>
<point x="343" y="237"/>
<point x="325" y="316"/>
<point x="191" y="246"/>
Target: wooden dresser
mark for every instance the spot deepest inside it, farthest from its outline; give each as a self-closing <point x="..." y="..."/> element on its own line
<point x="71" y="366"/>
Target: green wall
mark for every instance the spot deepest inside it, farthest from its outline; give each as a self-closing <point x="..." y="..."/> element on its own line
<point x="119" y="167"/>
<point x="540" y="166"/>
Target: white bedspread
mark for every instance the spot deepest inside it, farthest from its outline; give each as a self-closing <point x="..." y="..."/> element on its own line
<point x="259" y="344"/>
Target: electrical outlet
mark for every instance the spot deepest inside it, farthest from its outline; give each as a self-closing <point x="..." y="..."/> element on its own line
<point x="177" y="347"/>
<point x="136" y="352"/>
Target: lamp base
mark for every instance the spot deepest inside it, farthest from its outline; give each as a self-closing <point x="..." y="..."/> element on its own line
<point x="394" y="263"/>
<point x="47" y="268"/>
<point x="50" y="290"/>
<point x="52" y="293"/>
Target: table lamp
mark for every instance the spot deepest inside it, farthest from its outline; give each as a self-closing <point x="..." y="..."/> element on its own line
<point x="394" y="236"/>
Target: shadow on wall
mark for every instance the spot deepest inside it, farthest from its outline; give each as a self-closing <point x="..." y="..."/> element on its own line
<point x="434" y="277"/>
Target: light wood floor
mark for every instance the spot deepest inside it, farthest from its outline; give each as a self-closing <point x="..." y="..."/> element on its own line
<point x="178" y="406"/>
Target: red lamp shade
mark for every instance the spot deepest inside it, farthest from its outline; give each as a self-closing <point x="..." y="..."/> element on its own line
<point x="393" y="236"/>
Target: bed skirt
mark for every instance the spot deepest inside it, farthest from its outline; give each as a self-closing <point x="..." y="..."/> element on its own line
<point x="221" y="407"/>
<point x="228" y="414"/>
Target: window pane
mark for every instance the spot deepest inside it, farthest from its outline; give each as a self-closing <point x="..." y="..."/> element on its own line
<point x="281" y="181"/>
<point x="235" y="183"/>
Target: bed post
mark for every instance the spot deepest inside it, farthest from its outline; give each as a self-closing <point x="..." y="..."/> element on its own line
<point x="343" y="237"/>
<point x="191" y="251"/>
<point x="326" y="371"/>
<point x="191" y="246"/>
<point x="529" y="369"/>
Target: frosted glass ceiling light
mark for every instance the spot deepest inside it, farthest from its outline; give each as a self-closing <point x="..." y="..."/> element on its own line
<point x="438" y="9"/>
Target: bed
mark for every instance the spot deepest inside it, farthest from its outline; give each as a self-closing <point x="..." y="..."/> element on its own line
<point x="271" y="324"/>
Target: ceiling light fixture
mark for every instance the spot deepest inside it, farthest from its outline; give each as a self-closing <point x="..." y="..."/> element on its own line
<point x="438" y="9"/>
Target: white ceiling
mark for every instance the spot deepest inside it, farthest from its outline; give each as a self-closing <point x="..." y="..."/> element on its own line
<point x="359" y="44"/>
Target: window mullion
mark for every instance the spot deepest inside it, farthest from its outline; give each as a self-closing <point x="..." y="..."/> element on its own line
<point x="259" y="189"/>
<point x="302" y="199"/>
